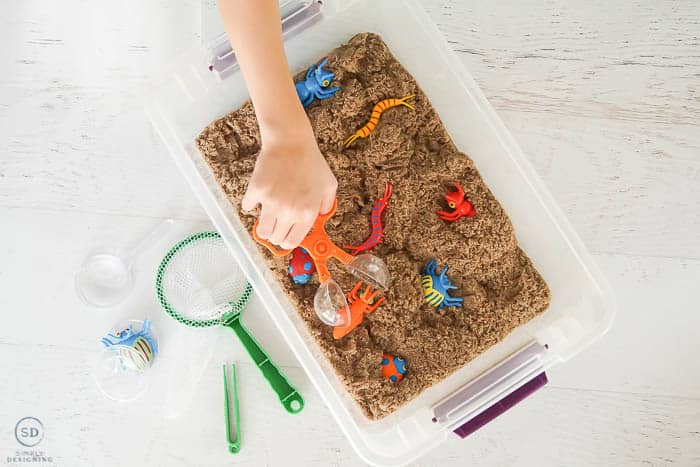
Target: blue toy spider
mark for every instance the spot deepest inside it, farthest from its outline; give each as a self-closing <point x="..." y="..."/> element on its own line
<point x="436" y="287"/>
<point x="316" y="84"/>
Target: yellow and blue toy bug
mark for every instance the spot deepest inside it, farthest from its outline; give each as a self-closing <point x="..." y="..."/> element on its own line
<point x="436" y="287"/>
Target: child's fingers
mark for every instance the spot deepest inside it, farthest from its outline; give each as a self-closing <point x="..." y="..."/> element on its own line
<point x="249" y="200"/>
<point x="282" y="227"/>
<point x="266" y="222"/>
<point x="327" y="203"/>
<point x="298" y="232"/>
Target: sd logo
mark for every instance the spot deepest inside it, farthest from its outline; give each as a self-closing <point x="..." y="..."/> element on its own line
<point x="29" y="431"/>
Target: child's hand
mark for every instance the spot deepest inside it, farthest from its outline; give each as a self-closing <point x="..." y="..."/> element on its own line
<point x="291" y="180"/>
<point x="293" y="184"/>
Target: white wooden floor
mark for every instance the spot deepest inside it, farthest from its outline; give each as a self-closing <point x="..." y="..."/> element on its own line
<point x="604" y="96"/>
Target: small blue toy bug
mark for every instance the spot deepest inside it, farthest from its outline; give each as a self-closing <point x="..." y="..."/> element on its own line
<point x="316" y="85"/>
<point x="436" y="287"/>
<point x="136" y="349"/>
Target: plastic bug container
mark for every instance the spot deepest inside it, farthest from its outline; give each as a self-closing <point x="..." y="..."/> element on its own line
<point x="206" y="84"/>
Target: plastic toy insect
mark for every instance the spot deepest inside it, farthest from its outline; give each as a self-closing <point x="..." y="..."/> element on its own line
<point x="377" y="235"/>
<point x="377" y="110"/>
<point x="456" y="200"/>
<point x="301" y="266"/>
<point x="316" y="84"/>
<point x="360" y="305"/>
<point x="393" y="367"/>
<point x="136" y="349"/>
<point x="436" y="287"/>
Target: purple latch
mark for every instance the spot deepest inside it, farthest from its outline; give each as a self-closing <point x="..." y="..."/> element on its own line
<point x="296" y="16"/>
<point x="499" y="389"/>
<point x="501" y="406"/>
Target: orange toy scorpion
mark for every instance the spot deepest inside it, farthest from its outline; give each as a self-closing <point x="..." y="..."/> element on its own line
<point x="380" y="107"/>
<point x="360" y="305"/>
<point x="377" y="235"/>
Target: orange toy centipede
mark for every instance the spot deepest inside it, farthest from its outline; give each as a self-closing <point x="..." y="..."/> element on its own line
<point x="377" y="110"/>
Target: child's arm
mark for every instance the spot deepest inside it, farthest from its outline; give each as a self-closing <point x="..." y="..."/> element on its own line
<point x="291" y="180"/>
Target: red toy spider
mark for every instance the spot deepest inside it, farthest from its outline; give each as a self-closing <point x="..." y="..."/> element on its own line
<point x="456" y="200"/>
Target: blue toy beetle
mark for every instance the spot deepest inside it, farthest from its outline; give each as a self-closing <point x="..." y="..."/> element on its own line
<point x="316" y="84"/>
<point x="136" y="349"/>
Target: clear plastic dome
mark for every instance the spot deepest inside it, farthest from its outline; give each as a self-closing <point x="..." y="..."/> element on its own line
<point x="121" y="369"/>
<point x="104" y="280"/>
<point x="117" y="376"/>
<point x="331" y="305"/>
<point x="371" y="269"/>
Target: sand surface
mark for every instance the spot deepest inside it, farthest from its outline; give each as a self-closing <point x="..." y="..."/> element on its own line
<point x="411" y="150"/>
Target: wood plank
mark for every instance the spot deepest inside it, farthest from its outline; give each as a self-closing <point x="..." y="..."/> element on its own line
<point x="73" y="134"/>
<point x="632" y="61"/>
<point x="603" y="97"/>
<point x="553" y="427"/>
<point x="582" y="428"/>
<point x="652" y="347"/>
<point x="626" y="188"/>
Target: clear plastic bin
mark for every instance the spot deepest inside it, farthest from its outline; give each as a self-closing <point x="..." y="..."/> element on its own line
<point x="205" y="85"/>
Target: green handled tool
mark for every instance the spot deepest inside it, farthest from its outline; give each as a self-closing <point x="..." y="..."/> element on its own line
<point x="199" y="284"/>
<point x="290" y="397"/>
<point x="234" y="445"/>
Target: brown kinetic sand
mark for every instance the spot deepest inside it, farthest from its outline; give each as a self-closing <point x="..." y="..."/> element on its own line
<point x="412" y="150"/>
